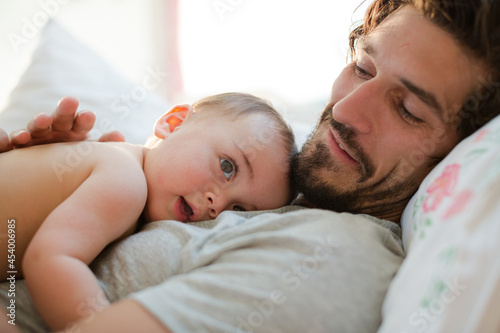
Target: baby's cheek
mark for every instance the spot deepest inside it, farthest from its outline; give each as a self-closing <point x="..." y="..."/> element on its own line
<point x="279" y="195"/>
<point x="199" y="179"/>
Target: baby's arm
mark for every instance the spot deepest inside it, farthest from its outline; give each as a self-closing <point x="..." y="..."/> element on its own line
<point x="55" y="265"/>
<point x="126" y="316"/>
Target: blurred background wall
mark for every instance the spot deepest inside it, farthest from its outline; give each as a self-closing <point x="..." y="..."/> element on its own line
<point x="287" y="51"/>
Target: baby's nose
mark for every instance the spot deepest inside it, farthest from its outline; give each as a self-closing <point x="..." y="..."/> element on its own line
<point x="213" y="209"/>
<point x="215" y="204"/>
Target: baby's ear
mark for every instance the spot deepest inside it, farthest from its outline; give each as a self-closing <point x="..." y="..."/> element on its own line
<point x="167" y="123"/>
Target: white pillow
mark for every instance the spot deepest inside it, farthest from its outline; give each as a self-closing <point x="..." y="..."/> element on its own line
<point x="61" y="65"/>
<point x="450" y="279"/>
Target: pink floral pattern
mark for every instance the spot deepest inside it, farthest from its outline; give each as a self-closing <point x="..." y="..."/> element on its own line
<point x="441" y="187"/>
<point x="481" y="135"/>
<point x="459" y="203"/>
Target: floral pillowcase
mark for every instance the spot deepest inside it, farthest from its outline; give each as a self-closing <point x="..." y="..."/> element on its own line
<point x="450" y="279"/>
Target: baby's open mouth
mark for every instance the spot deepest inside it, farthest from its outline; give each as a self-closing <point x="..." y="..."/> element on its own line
<point x="185" y="209"/>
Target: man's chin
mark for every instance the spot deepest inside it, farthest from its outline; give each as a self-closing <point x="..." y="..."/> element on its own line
<point x="317" y="194"/>
<point x="310" y="169"/>
<point x="384" y="200"/>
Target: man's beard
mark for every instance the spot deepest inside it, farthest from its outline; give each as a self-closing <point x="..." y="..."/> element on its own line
<point x="386" y="197"/>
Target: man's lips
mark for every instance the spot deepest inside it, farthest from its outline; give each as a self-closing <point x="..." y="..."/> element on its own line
<point x="339" y="148"/>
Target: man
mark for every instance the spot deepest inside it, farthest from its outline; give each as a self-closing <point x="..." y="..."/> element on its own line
<point x="394" y="112"/>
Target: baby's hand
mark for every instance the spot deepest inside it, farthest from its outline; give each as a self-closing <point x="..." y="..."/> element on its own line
<point x="64" y="125"/>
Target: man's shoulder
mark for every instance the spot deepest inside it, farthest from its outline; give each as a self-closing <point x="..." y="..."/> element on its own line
<point x="311" y="216"/>
<point x="305" y="223"/>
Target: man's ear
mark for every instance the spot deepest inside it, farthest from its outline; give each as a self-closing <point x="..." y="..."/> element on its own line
<point x="167" y="123"/>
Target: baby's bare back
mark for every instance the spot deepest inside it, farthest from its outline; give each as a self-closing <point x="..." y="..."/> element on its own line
<point x="35" y="180"/>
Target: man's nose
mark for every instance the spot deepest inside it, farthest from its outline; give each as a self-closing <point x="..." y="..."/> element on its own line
<point x="360" y="108"/>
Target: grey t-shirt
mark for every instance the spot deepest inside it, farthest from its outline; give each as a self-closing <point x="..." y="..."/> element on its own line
<point x="288" y="270"/>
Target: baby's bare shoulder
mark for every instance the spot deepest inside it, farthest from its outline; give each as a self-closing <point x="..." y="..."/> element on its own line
<point x="74" y="152"/>
<point x="117" y="149"/>
<point x="120" y="165"/>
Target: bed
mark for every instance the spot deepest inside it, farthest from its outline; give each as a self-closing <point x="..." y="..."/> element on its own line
<point x="450" y="279"/>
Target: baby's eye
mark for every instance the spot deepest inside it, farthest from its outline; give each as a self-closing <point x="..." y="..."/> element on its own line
<point x="227" y="168"/>
<point x="238" y="208"/>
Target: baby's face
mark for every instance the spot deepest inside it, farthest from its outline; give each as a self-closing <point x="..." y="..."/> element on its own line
<point x="211" y="164"/>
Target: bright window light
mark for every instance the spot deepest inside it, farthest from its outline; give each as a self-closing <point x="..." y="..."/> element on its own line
<point x="291" y="49"/>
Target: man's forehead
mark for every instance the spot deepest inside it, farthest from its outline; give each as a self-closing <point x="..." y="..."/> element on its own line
<point x="395" y="27"/>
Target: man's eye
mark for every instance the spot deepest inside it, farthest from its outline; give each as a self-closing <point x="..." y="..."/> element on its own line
<point x="407" y="115"/>
<point x="360" y="71"/>
<point x="227" y="168"/>
<point x="238" y="208"/>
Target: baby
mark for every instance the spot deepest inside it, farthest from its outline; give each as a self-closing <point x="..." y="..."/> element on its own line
<point x="64" y="203"/>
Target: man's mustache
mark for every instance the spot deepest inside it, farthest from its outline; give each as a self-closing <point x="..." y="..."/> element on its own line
<point x="348" y="138"/>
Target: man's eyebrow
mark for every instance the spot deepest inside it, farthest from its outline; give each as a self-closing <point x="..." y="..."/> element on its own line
<point x="366" y="46"/>
<point x="425" y="96"/>
<point x="245" y="158"/>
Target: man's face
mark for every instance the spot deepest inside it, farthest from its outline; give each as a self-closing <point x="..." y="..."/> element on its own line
<point x="388" y="120"/>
